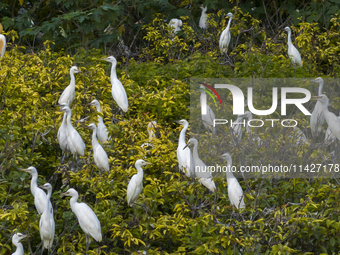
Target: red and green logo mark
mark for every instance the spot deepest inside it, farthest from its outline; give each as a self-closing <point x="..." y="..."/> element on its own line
<point x="209" y="93"/>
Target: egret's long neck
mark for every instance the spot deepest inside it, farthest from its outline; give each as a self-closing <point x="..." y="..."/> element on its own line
<point x="113" y="71"/>
<point x="139" y="170"/>
<point x="229" y="22"/>
<point x="320" y="88"/>
<point x="68" y="119"/>
<point x="183" y="132"/>
<point x="20" y="248"/>
<point x="73" y="79"/>
<point x="98" y="108"/>
<point x="325" y="108"/>
<point x="195" y="151"/>
<point x="49" y="193"/>
<point x="64" y="119"/>
<point x="73" y="202"/>
<point x="230" y="175"/>
<point x="289" y="38"/>
<point x="34" y="184"/>
<point x="94" y="138"/>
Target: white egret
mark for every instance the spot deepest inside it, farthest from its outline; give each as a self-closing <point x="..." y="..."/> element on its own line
<point x="101" y="129"/>
<point x="117" y="90"/>
<point x="2" y="42"/>
<point x="151" y="131"/>
<point x="317" y="119"/>
<point x="184" y="157"/>
<point x="254" y="138"/>
<point x="16" y="241"/>
<point x="68" y="95"/>
<point x="99" y="155"/>
<point x="235" y="192"/>
<point x="332" y="120"/>
<point x="203" y="20"/>
<point x="201" y="172"/>
<point x="46" y="224"/>
<point x="298" y="136"/>
<point x="207" y="119"/>
<point x="62" y="134"/>
<point x="330" y="138"/>
<point x="176" y="25"/>
<point x="225" y="36"/>
<point x="40" y="198"/>
<point x="135" y="186"/>
<point x="293" y="53"/>
<point x="87" y="219"/>
<point x="236" y="128"/>
<point x="74" y="140"/>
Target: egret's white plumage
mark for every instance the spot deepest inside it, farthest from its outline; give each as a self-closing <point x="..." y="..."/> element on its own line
<point x="330" y="138"/>
<point x="68" y="95"/>
<point x="135" y="186"/>
<point x="101" y="128"/>
<point x="117" y="90"/>
<point x="203" y="20"/>
<point x="225" y="36"/>
<point x="46" y="224"/>
<point x="298" y="137"/>
<point x="201" y="171"/>
<point x="16" y="242"/>
<point x="99" y="155"/>
<point x="293" y="53"/>
<point x="2" y="42"/>
<point x="317" y="119"/>
<point x="151" y="131"/>
<point x="62" y="133"/>
<point x="184" y="157"/>
<point x="74" y="140"/>
<point x="207" y="119"/>
<point x="235" y="192"/>
<point x="332" y="120"/>
<point x="176" y="25"/>
<point x="40" y="198"/>
<point x="236" y="128"/>
<point x="87" y="219"/>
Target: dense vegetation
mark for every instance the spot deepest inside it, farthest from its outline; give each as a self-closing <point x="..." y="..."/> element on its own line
<point x="175" y="215"/>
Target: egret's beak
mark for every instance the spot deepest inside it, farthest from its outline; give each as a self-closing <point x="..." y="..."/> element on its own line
<point x="24" y="169"/>
<point x="105" y="59"/>
<point x="316" y="97"/>
<point x="186" y="146"/>
<point x="88" y="127"/>
<point x="89" y="104"/>
<point x="221" y="156"/>
<point x="24" y="236"/>
<point x="314" y="80"/>
<point x="147" y="163"/>
<point x="63" y="194"/>
<point x="79" y="71"/>
<point x="177" y="121"/>
<point x="41" y="187"/>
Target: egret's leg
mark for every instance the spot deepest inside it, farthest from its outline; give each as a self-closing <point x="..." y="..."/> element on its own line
<point x="42" y="247"/>
<point x="62" y="157"/>
<point x="88" y="241"/>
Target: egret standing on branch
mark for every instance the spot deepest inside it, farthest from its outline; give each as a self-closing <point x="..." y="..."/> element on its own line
<point x="200" y="168"/>
<point x="203" y="20"/>
<point x="16" y="241"/>
<point x="99" y="155"/>
<point x="332" y="120"/>
<point x="74" y="140"/>
<point x="135" y="186"/>
<point x="184" y="157"/>
<point x="207" y="119"/>
<point x="62" y="135"/>
<point x="317" y="119"/>
<point x="236" y="128"/>
<point x="40" y="198"/>
<point x="101" y="129"/>
<point x="151" y="131"/>
<point x="118" y="91"/>
<point x="293" y="53"/>
<point x="87" y="219"/>
<point x="46" y="224"/>
<point x="2" y="42"/>
<point x="175" y="24"/>
<point x="235" y="192"/>
<point x="225" y="36"/>
<point x="68" y="95"/>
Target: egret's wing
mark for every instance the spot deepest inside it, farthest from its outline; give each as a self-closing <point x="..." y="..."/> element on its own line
<point x="78" y="142"/>
<point x="88" y="221"/>
<point x="132" y="190"/>
<point x="40" y="200"/>
<point x="333" y="124"/>
<point x="102" y="158"/>
<point x="2" y="45"/>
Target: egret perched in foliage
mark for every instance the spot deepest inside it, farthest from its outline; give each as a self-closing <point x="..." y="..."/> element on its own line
<point x="207" y="119"/>
<point x="16" y="241"/>
<point x="99" y="155"/>
<point x="235" y="192"/>
<point x="203" y="20"/>
<point x="68" y="95"/>
<point x="184" y="157"/>
<point x="87" y="219"/>
<point x="298" y="136"/>
<point x="317" y="119"/>
<point x="176" y="25"/>
<point x="135" y="186"/>
<point x="204" y="176"/>
<point x="330" y="138"/>
<point x="117" y="90"/>
<point x="236" y="128"/>
<point x="151" y="131"/>
<point x="74" y="140"/>
<point x="293" y="53"/>
<point x="225" y="36"/>
<point x="2" y="42"/>
<point x="101" y="129"/>
<point x="40" y="198"/>
<point x="46" y="224"/>
<point x="62" y="134"/>
<point x="332" y="120"/>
